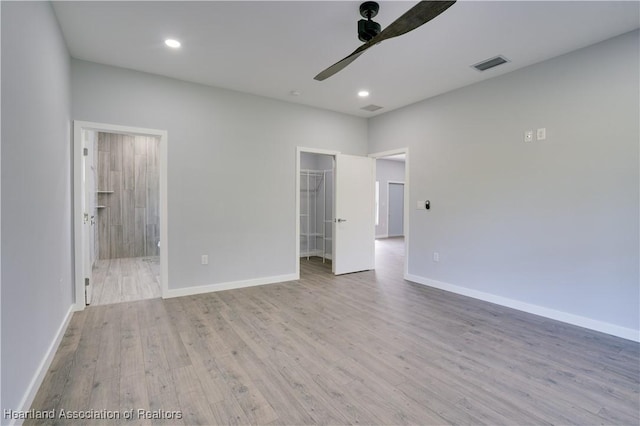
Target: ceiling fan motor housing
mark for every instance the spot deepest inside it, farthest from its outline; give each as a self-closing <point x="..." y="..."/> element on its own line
<point x="367" y="29"/>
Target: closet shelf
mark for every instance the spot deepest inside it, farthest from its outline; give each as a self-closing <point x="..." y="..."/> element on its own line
<point x="101" y="207"/>
<point x="105" y="192"/>
<point x="312" y="234"/>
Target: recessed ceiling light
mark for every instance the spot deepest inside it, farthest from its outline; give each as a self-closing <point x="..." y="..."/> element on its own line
<point x="294" y="93"/>
<point x="172" y="43"/>
<point x="363" y="93"/>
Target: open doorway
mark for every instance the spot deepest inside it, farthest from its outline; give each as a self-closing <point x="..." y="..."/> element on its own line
<point x="126" y="238"/>
<point x="119" y="213"/>
<point x="391" y="244"/>
<point x="337" y="194"/>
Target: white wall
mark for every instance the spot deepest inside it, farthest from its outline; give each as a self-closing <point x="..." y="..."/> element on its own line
<point x="231" y="166"/>
<point x="308" y="161"/>
<point x="550" y="226"/>
<point x="314" y="161"/>
<point x="36" y="195"/>
<point x="386" y="170"/>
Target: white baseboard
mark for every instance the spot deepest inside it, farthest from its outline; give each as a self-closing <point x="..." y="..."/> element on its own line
<point x="188" y="291"/>
<point x="603" y="327"/>
<point x="40" y="373"/>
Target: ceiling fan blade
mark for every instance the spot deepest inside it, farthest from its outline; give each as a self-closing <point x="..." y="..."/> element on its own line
<point x="418" y="15"/>
<point x="343" y="62"/>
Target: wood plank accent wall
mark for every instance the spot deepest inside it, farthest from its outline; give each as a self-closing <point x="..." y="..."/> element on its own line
<point x="129" y="224"/>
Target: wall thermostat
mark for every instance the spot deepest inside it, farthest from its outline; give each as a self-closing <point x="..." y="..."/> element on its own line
<point x="424" y="205"/>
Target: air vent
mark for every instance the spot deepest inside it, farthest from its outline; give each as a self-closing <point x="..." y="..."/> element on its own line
<point x="490" y="63"/>
<point x="371" y="107"/>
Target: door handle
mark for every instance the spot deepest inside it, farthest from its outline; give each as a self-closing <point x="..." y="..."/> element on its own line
<point x="340" y="220"/>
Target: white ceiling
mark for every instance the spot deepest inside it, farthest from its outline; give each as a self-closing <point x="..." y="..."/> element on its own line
<point x="271" y="48"/>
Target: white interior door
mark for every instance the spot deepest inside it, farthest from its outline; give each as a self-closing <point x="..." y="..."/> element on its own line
<point x="89" y="211"/>
<point x="354" y="222"/>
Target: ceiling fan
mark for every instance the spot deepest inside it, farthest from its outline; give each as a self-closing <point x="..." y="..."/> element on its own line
<point x="369" y="31"/>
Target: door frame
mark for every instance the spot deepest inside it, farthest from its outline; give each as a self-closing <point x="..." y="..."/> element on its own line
<point x="92" y="216"/>
<point x="389" y="183"/>
<point x="299" y="151"/>
<point x="79" y="188"/>
<point x="407" y="188"/>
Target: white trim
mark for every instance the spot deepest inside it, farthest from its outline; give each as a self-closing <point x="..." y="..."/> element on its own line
<point x="389" y="153"/>
<point x="188" y="291"/>
<point x="78" y="127"/>
<point x="40" y="373"/>
<point x="601" y="326"/>
<point x="382" y="236"/>
<point x="300" y="150"/>
<point x="407" y="191"/>
<point x="317" y="151"/>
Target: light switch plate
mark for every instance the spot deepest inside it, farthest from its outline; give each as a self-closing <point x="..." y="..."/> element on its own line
<point x="420" y="205"/>
<point x="541" y="134"/>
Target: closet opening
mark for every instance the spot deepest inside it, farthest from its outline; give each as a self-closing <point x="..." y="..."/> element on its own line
<point x="316" y="208"/>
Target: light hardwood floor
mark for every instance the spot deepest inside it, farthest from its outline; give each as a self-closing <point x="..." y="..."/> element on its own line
<point x="125" y="279"/>
<point x="366" y="348"/>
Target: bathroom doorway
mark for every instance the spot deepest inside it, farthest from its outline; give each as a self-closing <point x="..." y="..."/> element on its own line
<point x="127" y="218"/>
<point x="120" y="213"/>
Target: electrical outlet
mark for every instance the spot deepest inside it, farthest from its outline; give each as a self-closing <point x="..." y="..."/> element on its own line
<point x="205" y="259"/>
<point x="436" y="256"/>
